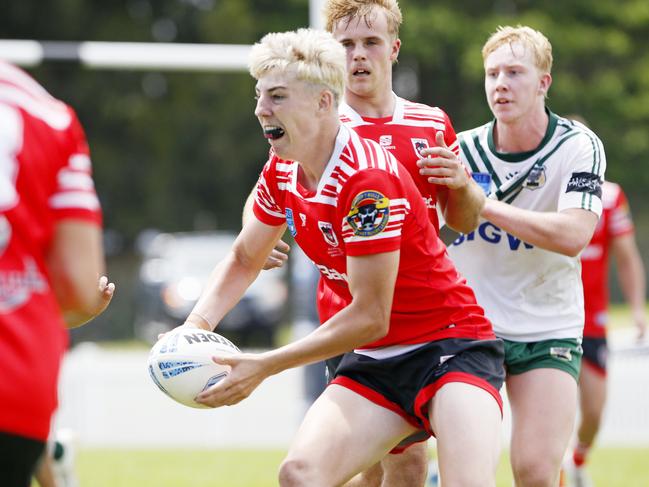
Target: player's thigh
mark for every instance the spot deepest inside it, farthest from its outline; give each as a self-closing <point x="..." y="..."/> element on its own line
<point x="406" y="469"/>
<point x="467" y="422"/>
<point x="544" y="404"/>
<point x="344" y="433"/>
<point x="592" y="390"/>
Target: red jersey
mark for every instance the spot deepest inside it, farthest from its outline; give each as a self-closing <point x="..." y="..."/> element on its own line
<point x="366" y="203"/>
<point x="614" y="222"/>
<point x="411" y="128"/>
<point x="44" y="177"/>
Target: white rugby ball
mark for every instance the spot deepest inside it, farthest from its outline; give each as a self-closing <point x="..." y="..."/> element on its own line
<point x="181" y="364"/>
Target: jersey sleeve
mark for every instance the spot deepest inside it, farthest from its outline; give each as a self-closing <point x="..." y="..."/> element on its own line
<point x="267" y="206"/>
<point x="372" y="208"/>
<point x="450" y="137"/>
<point x="581" y="186"/>
<point x="620" y="221"/>
<point x="74" y="194"/>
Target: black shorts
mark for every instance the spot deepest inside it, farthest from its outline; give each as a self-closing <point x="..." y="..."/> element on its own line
<point x="595" y="353"/>
<point x="18" y="459"/>
<point x="406" y="383"/>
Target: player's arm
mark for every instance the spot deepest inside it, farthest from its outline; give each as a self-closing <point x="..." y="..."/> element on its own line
<point x="233" y="275"/>
<point x="279" y="254"/>
<point x="75" y="263"/>
<point x="460" y="198"/>
<point x="631" y="275"/>
<point x="371" y="281"/>
<point x="566" y="232"/>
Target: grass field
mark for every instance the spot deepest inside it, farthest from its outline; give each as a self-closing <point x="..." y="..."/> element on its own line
<point x="609" y="467"/>
<point x="250" y="468"/>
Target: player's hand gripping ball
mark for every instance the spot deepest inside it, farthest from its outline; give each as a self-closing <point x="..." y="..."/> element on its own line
<point x="181" y="364"/>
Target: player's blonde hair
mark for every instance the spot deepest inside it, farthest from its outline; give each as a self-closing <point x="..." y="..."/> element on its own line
<point x="529" y="38"/>
<point x="335" y="10"/>
<point x="312" y="55"/>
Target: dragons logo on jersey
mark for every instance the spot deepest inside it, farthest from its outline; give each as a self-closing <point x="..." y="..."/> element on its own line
<point x="419" y="145"/>
<point x="327" y="230"/>
<point x="370" y="213"/>
<point x="535" y="179"/>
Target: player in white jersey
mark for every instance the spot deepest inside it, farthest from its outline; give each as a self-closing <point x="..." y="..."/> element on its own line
<point x="543" y="174"/>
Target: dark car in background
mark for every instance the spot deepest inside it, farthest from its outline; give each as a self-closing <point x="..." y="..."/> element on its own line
<point x="175" y="267"/>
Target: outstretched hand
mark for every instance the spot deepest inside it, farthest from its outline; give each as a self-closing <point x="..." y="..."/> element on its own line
<point x="441" y="166"/>
<point x="247" y="371"/>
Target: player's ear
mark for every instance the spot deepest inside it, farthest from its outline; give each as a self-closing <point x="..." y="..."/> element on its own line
<point x="326" y="101"/>
<point x="544" y="85"/>
<point x="396" y="47"/>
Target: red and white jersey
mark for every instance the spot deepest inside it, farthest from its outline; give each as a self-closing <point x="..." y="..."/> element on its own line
<point x="366" y="203"/>
<point x="614" y="222"/>
<point x="411" y="128"/>
<point x="45" y="176"/>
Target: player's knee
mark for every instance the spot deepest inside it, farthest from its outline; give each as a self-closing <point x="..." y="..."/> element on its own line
<point x="535" y="472"/>
<point x="295" y="472"/>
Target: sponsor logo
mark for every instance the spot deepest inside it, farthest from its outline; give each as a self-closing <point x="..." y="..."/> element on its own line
<point x="17" y="286"/>
<point x="444" y="358"/>
<point x="370" y="213"/>
<point x="585" y="182"/>
<point x="484" y="181"/>
<point x="328" y="233"/>
<point x="563" y="353"/>
<point x="535" y="179"/>
<point x="332" y="274"/>
<point x="385" y="140"/>
<point x="419" y="145"/>
<point x="490" y="233"/>
<point x="290" y="222"/>
<point x="303" y="219"/>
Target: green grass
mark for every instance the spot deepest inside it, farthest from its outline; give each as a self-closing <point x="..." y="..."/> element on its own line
<point x="609" y="467"/>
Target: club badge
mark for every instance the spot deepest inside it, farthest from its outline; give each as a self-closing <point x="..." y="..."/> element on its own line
<point x="369" y="214"/>
<point x="328" y="233"/>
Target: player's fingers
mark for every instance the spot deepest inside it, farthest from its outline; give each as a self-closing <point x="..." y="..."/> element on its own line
<point x="439" y="139"/>
<point x="282" y="247"/>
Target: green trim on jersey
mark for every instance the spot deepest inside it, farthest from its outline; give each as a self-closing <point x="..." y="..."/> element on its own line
<point x="564" y="354"/>
<point x="518" y="185"/>
<point x="523" y="156"/>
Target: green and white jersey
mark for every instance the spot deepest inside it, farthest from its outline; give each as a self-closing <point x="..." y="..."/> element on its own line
<point x="528" y="293"/>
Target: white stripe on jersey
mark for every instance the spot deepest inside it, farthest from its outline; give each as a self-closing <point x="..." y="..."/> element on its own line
<point x="11" y="127"/>
<point x="75" y="180"/>
<point x="52" y="112"/>
<point x="80" y="162"/>
<point x="74" y="199"/>
<point x="378" y="236"/>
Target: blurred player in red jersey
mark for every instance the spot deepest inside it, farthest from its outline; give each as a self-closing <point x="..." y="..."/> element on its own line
<point x="614" y="234"/>
<point x="51" y="260"/>
<point x="421" y="357"/>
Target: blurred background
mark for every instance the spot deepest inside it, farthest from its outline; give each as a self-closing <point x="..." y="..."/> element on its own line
<point x="180" y="150"/>
<point x="176" y="152"/>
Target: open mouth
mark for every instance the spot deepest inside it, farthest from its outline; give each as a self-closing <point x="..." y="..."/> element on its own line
<point x="361" y="72"/>
<point x="273" y="132"/>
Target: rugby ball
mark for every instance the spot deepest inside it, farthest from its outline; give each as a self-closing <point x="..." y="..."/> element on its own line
<point x="181" y="364"/>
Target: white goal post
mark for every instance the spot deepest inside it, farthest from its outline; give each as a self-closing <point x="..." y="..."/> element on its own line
<point x="159" y="56"/>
